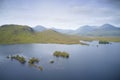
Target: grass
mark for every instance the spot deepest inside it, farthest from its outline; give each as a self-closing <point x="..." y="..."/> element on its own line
<point x="61" y="54"/>
<point x="17" y="34"/>
<point x="103" y="42"/>
<point x="33" y="60"/>
<point x="21" y="59"/>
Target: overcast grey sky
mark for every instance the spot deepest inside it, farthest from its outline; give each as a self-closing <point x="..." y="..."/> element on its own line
<point x="60" y="13"/>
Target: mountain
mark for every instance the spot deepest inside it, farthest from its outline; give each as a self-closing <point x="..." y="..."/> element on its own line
<point x="15" y="29"/>
<point x="10" y="34"/>
<point x="104" y="30"/>
<point x="84" y="29"/>
<point x="39" y="28"/>
<point x="51" y="36"/>
<point x="107" y="30"/>
<point x="15" y="33"/>
<point x="108" y="27"/>
<point x="64" y="31"/>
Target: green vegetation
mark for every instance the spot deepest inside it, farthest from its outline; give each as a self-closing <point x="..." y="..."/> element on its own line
<point x="52" y="61"/>
<point x="40" y="68"/>
<point x="33" y="60"/>
<point x="21" y="59"/>
<point x="61" y="54"/>
<point x="20" y="34"/>
<point x="14" y="34"/>
<point x="103" y="42"/>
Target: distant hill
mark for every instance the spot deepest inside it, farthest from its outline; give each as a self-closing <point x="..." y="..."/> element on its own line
<point x="39" y="28"/>
<point x="51" y="36"/>
<point x="64" y="31"/>
<point x="84" y="29"/>
<point x="25" y="34"/>
<point x="107" y="30"/>
<point x="104" y="30"/>
<point x="14" y="27"/>
<point x="108" y="27"/>
<point x="14" y="34"/>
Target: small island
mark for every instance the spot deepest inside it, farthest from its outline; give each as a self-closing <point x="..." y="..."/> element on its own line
<point x="61" y="54"/>
<point x="33" y="60"/>
<point x="104" y="42"/>
<point x="52" y="61"/>
<point x="40" y="68"/>
<point x="21" y="59"/>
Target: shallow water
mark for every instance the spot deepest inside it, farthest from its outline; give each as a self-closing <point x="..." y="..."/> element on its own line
<point x="93" y="62"/>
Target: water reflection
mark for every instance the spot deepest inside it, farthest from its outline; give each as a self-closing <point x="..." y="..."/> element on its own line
<point x="91" y="62"/>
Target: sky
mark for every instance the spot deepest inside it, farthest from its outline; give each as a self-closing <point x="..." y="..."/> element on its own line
<point x="64" y="14"/>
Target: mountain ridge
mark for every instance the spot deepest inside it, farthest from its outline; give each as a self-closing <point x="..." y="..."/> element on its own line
<point x="25" y="34"/>
<point x="13" y="34"/>
<point x="103" y="30"/>
<point x="39" y="28"/>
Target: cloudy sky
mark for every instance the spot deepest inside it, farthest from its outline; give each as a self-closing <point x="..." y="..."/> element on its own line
<point x="67" y="14"/>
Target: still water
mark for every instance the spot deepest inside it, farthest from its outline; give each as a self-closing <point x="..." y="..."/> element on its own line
<point x="93" y="62"/>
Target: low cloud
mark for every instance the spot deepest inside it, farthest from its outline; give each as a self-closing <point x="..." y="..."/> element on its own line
<point x="60" y="13"/>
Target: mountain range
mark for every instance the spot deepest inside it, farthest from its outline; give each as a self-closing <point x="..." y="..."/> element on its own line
<point x="10" y="34"/>
<point x="103" y="30"/>
<point x="13" y="33"/>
